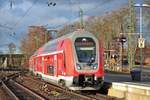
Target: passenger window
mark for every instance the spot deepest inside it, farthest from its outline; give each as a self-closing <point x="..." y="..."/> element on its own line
<point x="50" y="69"/>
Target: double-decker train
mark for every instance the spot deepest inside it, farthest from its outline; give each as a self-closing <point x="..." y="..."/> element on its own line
<point x="74" y="60"/>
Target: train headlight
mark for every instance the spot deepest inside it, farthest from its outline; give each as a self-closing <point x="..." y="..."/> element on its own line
<point x="78" y="67"/>
<point x="95" y="66"/>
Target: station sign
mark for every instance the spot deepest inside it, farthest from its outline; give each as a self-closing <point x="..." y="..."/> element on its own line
<point x="141" y="42"/>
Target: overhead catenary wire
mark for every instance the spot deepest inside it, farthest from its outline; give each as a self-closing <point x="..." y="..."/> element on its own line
<point x="79" y="6"/>
<point x="66" y="23"/>
<point x="11" y="31"/>
<point x="5" y="26"/>
<point x="69" y="22"/>
<point x="15" y="25"/>
<point x="35" y="1"/>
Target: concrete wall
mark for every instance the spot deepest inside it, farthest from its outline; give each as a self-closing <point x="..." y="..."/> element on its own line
<point x="130" y="91"/>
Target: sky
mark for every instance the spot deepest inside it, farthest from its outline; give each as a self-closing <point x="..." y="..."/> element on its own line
<point x="17" y="15"/>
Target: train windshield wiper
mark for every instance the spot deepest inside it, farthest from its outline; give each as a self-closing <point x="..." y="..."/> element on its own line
<point x="91" y="60"/>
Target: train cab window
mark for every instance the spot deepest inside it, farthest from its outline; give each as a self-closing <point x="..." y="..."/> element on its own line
<point x="50" y="69"/>
<point x="85" y="49"/>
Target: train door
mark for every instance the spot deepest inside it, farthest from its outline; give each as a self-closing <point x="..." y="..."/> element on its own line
<point x="56" y="65"/>
<point x="60" y="64"/>
<point x="51" y="64"/>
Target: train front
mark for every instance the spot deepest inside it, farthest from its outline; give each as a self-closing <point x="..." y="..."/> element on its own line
<point x="88" y="74"/>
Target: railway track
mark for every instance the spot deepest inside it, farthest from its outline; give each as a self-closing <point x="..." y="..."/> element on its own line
<point x="56" y="92"/>
<point x="15" y="91"/>
<point x="28" y="87"/>
<point x="7" y="93"/>
<point x="51" y="91"/>
<point x="4" y="94"/>
<point x="91" y="96"/>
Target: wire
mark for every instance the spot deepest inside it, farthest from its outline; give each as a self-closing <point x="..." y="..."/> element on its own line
<point x="6" y="27"/>
<point x="26" y="13"/>
<point x="69" y="21"/>
<point x="78" y="5"/>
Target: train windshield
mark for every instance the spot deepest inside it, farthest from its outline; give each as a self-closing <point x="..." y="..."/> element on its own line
<point x="85" y="49"/>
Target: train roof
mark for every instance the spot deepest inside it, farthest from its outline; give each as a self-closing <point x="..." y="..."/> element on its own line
<point x="69" y="35"/>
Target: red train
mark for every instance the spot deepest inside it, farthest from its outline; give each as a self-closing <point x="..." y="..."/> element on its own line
<point x="74" y="60"/>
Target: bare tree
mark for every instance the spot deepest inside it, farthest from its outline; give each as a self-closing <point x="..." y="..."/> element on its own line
<point x="36" y="37"/>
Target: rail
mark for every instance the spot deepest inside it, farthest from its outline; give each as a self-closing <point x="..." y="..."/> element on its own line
<point x="10" y="93"/>
<point x="60" y="89"/>
<point x="22" y="92"/>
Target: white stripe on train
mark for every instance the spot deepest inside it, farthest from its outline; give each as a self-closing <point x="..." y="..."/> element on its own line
<point x="52" y="53"/>
<point x="68" y="79"/>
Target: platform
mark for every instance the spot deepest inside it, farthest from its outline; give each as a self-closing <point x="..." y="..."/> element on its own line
<point x="124" y="87"/>
<point x="130" y="90"/>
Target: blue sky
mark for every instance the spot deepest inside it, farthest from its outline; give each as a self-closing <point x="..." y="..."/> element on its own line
<point x="16" y="16"/>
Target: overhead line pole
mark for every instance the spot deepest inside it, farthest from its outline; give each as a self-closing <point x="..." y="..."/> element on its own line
<point x="131" y="30"/>
<point x="141" y="58"/>
<point x="81" y="18"/>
